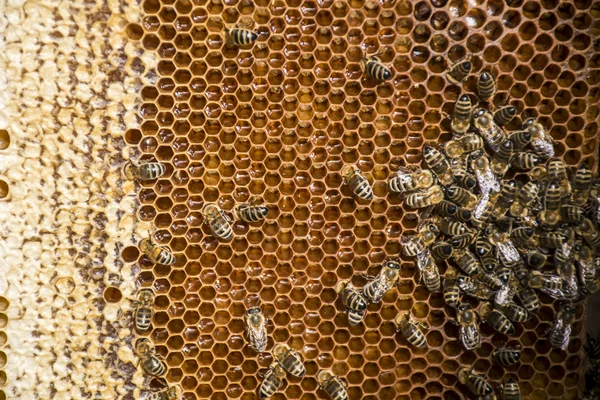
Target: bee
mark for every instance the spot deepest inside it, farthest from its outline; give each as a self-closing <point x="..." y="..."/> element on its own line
<point x="144" y="172"/>
<point x="476" y="383"/>
<point x="156" y="254"/>
<point x="354" y="301"/>
<point x="571" y="214"/>
<point x="462" y="197"/>
<point x="446" y="208"/>
<point x="429" y="271"/>
<point x="551" y="240"/>
<point x="289" y="359"/>
<point x="507" y="356"/>
<point x="539" y="173"/>
<point x="464" y="215"/>
<point x="332" y="385"/>
<point x="483" y="210"/>
<point x="589" y="232"/>
<point x="248" y="212"/>
<point x="171" y="393"/>
<point x="358" y="183"/>
<point x="560" y="333"/>
<point x="535" y="259"/>
<point x="451" y="227"/>
<point x="586" y="267"/>
<point x="408" y="180"/>
<point x="525" y="161"/>
<point x="507" y="292"/>
<point x="374" y="290"/>
<point x="466" y="261"/>
<point x="508" y="253"/>
<point x="582" y="184"/>
<point x="375" y="68"/>
<point x="510" y="390"/>
<point x="217" y="221"/>
<point x="487" y="128"/>
<point x="486" y="86"/>
<point x="474" y="288"/>
<point x="548" y="283"/>
<point x="256" y="329"/>
<point x="451" y="289"/>
<point x="412" y="245"/>
<point x="459" y="71"/>
<point x="462" y="115"/>
<point x="410" y="330"/>
<point x="442" y="250"/>
<point x="466" y="144"/>
<point x="558" y="173"/>
<point x="504" y="115"/>
<point x="463" y="241"/>
<point x="426" y="198"/>
<point x="516" y="313"/>
<point x="570" y="286"/>
<point x="501" y="159"/>
<point x="144" y="311"/>
<point x="483" y="246"/>
<point x="505" y="198"/>
<point x="468" y="328"/>
<point x="520" y="139"/>
<point x="273" y="381"/>
<point x="466" y="181"/>
<point x="151" y="365"/>
<point x="486" y="275"/>
<point x="485" y="177"/>
<point x="490" y="262"/>
<point x="525" y="197"/>
<point x="497" y="319"/>
<point x="529" y="299"/>
<point x="522" y="233"/>
<point x="550" y="215"/>
<point x="240" y="36"/>
<point x="540" y="140"/>
<point x="439" y="164"/>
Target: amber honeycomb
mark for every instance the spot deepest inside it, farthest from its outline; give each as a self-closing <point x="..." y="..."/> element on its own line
<point x="279" y="121"/>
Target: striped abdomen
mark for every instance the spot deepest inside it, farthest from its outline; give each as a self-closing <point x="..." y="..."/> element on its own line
<point x="221" y="228"/>
<point x="161" y="255"/>
<point x="292" y="364"/>
<point x="462" y="109"/>
<point x="459" y="72"/>
<point x="270" y="385"/>
<point x="500" y="322"/>
<point x="336" y="390"/>
<point x="486" y="86"/>
<point x="144" y="172"/>
<point x="249" y="213"/>
<point x="511" y="390"/>
<point x="153" y="366"/>
<point x="355" y="317"/>
<point x="360" y="187"/>
<point x="143" y="319"/>
<point x="413" y="335"/>
<point x="504" y="115"/>
<point x="242" y="36"/>
<point x="506" y="356"/>
<point x="376" y="70"/>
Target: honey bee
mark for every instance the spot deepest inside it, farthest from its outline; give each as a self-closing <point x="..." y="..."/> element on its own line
<point x="410" y="330"/>
<point x="541" y="142"/>
<point x="248" y="212"/>
<point x="476" y="383"/>
<point x="508" y="253"/>
<point x="374" y="290"/>
<point x="507" y="292"/>
<point x="451" y="227"/>
<point x="272" y="382"/>
<point x="151" y="365"/>
<point x="516" y="313"/>
<point x="144" y="172"/>
<point x="144" y="311"/>
<point x="439" y="164"/>
<point x="466" y="181"/>
<point x="483" y="210"/>
<point x="570" y="286"/>
<point x="442" y="250"/>
<point x="571" y="214"/>
<point x="485" y="176"/>
<point x="504" y="115"/>
<point x="256" y="329"/>
<point x="462" y="115"/>
<point x="550" y="215"/>
<point x="466" y="261"/>
<point x="490" y="262"/>
<point x="464" y="215"/>
<point x="520" y="139"/>
<point x="525" y="161"/>
<point x="506" y="355"/>
<point x="487" y="128"/>
<point x="504" y="199"/>
<point x="496" y="319"/>
<point x="560" y="333"/>
<point x="529" y="299"/>
<point x="446" y="208"/>
<point x="468" y="331"/>
<point x="462" y="197"/>
<point x="535" y="259"/>
<point x="451" y="289"/>
<point x="551" y="240"/>
<point x="486" y="275"/>
<point x="474" y="288"/>
<point x="539" y="173"/>
<point x="412" y="245"/>
<point x="582" y="184"/>
<point x="558" y="173"/>
<point x="171" y="393"/>
<point x="217" y="221"/>
<point x="525" y="197"/>
<point x="429" y="271"/>
<point x="289" y="359"/>
<point x="510" y="390"/>
<point x="459" y="71"/>
<point x="483" y="246"/>
<point x="354" y="301"/>
<point x="501" y="159"/>
<point x="426" y="198"/>
<point x="589" y="232"/>
<point x="240" y="36"/>
<point x="375" y="68"/>
<point x="156" y="254"/>
<point x="408" y="180"/>
<point x="463" y="145"/>
<point x="548" y="283"/>
<point x="486" y="86"/>
<point x="358" y="183"/>
<point x="586" y="268"/>
<point x="332" y="385"/>
<point x="463" y="241"/>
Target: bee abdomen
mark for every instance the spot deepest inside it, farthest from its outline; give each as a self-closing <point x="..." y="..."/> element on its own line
<point x="268" y="388"/>
<point x="506" y="356"/>
<point x="414" y="336"/>
<point x="242" y="36"/>
<point x="504" y="115"/>
<point x="336" y="390"/>
<point x="486" y="86"/>
<point x="153" y="366"/>
<point x="459" y="72"/>
<point x="355" y="317"/>
<point x="143" y="319"/>
<point x="164" y="256"/>
<point x="151" y="171"/>
<point x="462" y="109"/>
<point x="223" y="230"/>
<point x="378" y="71"/>
<point x="360" y="187"/>
<point x="253" y="214"/>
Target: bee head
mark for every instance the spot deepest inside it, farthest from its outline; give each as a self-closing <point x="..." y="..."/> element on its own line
<point x="253" y="310"/>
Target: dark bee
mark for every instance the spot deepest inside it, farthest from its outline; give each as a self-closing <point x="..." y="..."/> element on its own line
<point x="504" y="199"/>
<point x="358" y="183"/>
<point x="474" y="288"/>
<point x="525" y="197"/>
<point x="538" y="174"/>
<point x="520" y="139"/>
<point x="151" y="365"/>
<point x="582" y="184"/>
<point x="464" y="215"/>
<point x="501" y="159"/>
<point x="476" y="383"/>
<point x="410" y="330"/>
<point x="558" y="173"/>
<point x="442" y="250"/>
<point x="382" y="283"/>
<point x="516" y="313"/>
<point x="426" y="198"/>
<point x="496" y="319"/>
<point x="451" y="289"/>
<point x="218" y="221"/>
<point x="551" y="240"/>
<point x="490" y="262"/>
<point x="462" y="197"/>
<point x="483" y="210"/>
<point x="248" y="212"/>
<point x="256" y="329"/>
<point x="412" y="245"/>
<point x="462" y="115"/>
<point x="504" y="115"/>
<point x="483" y="246"/>
<point x="332" y="385"/>
<point x="466" y="181"/>
<point x="510" y="390"/>
<point x="586" y="268"/>
<point x="446" y="208"/>
<point x="529" y="299"/>
<point x="144" y="310"/>
<point x="550" y="215"/>
<point x="571" y="214"/>
<point x="506" y="355"/>
<point x="487" y="128"/>
<point x="540" y="140"/>
<point x="548" y="283"/>
<point x="156" y="254"/>
<point x="354" y="301"/>
<point x="506" y="292"/>
<point x="535" y="259"/>
<point x="144" y="172"/>
<point x="560" y="333"/>
<point x="508" y="253"/>
<point x="525" y="161"/>
<point x="451" y="227"/>
<point x="240" y="36"/>
<point x="171" y="393"/>
<point x="463" y="241"/>
<point x="487" y="276"/>
<point x="409" y="180"/>
<point x="486" y="86"/>
<point x="289" y="359"/>
<point x="466" y="261"/>
<point x="273" y="381"/>
<point x="466" y="144"/>
<point x="487" y="181"/>
<point x="589" y="232"/>
<point x="522" y="233"/>
<point x="429" y="272"/>
<point x="439" y="164"/>
<point x="468" y="328"/>
<point x="375" y="68"/>
<point x="459" y="71"/>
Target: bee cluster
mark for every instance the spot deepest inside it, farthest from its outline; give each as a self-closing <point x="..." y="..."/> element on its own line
<point x="504" y="222"/>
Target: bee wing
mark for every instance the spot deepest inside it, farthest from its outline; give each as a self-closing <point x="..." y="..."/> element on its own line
<point x="566" y="337"/>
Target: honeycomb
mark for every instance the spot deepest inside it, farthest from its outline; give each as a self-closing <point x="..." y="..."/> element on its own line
<point x="280" y="120"/>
